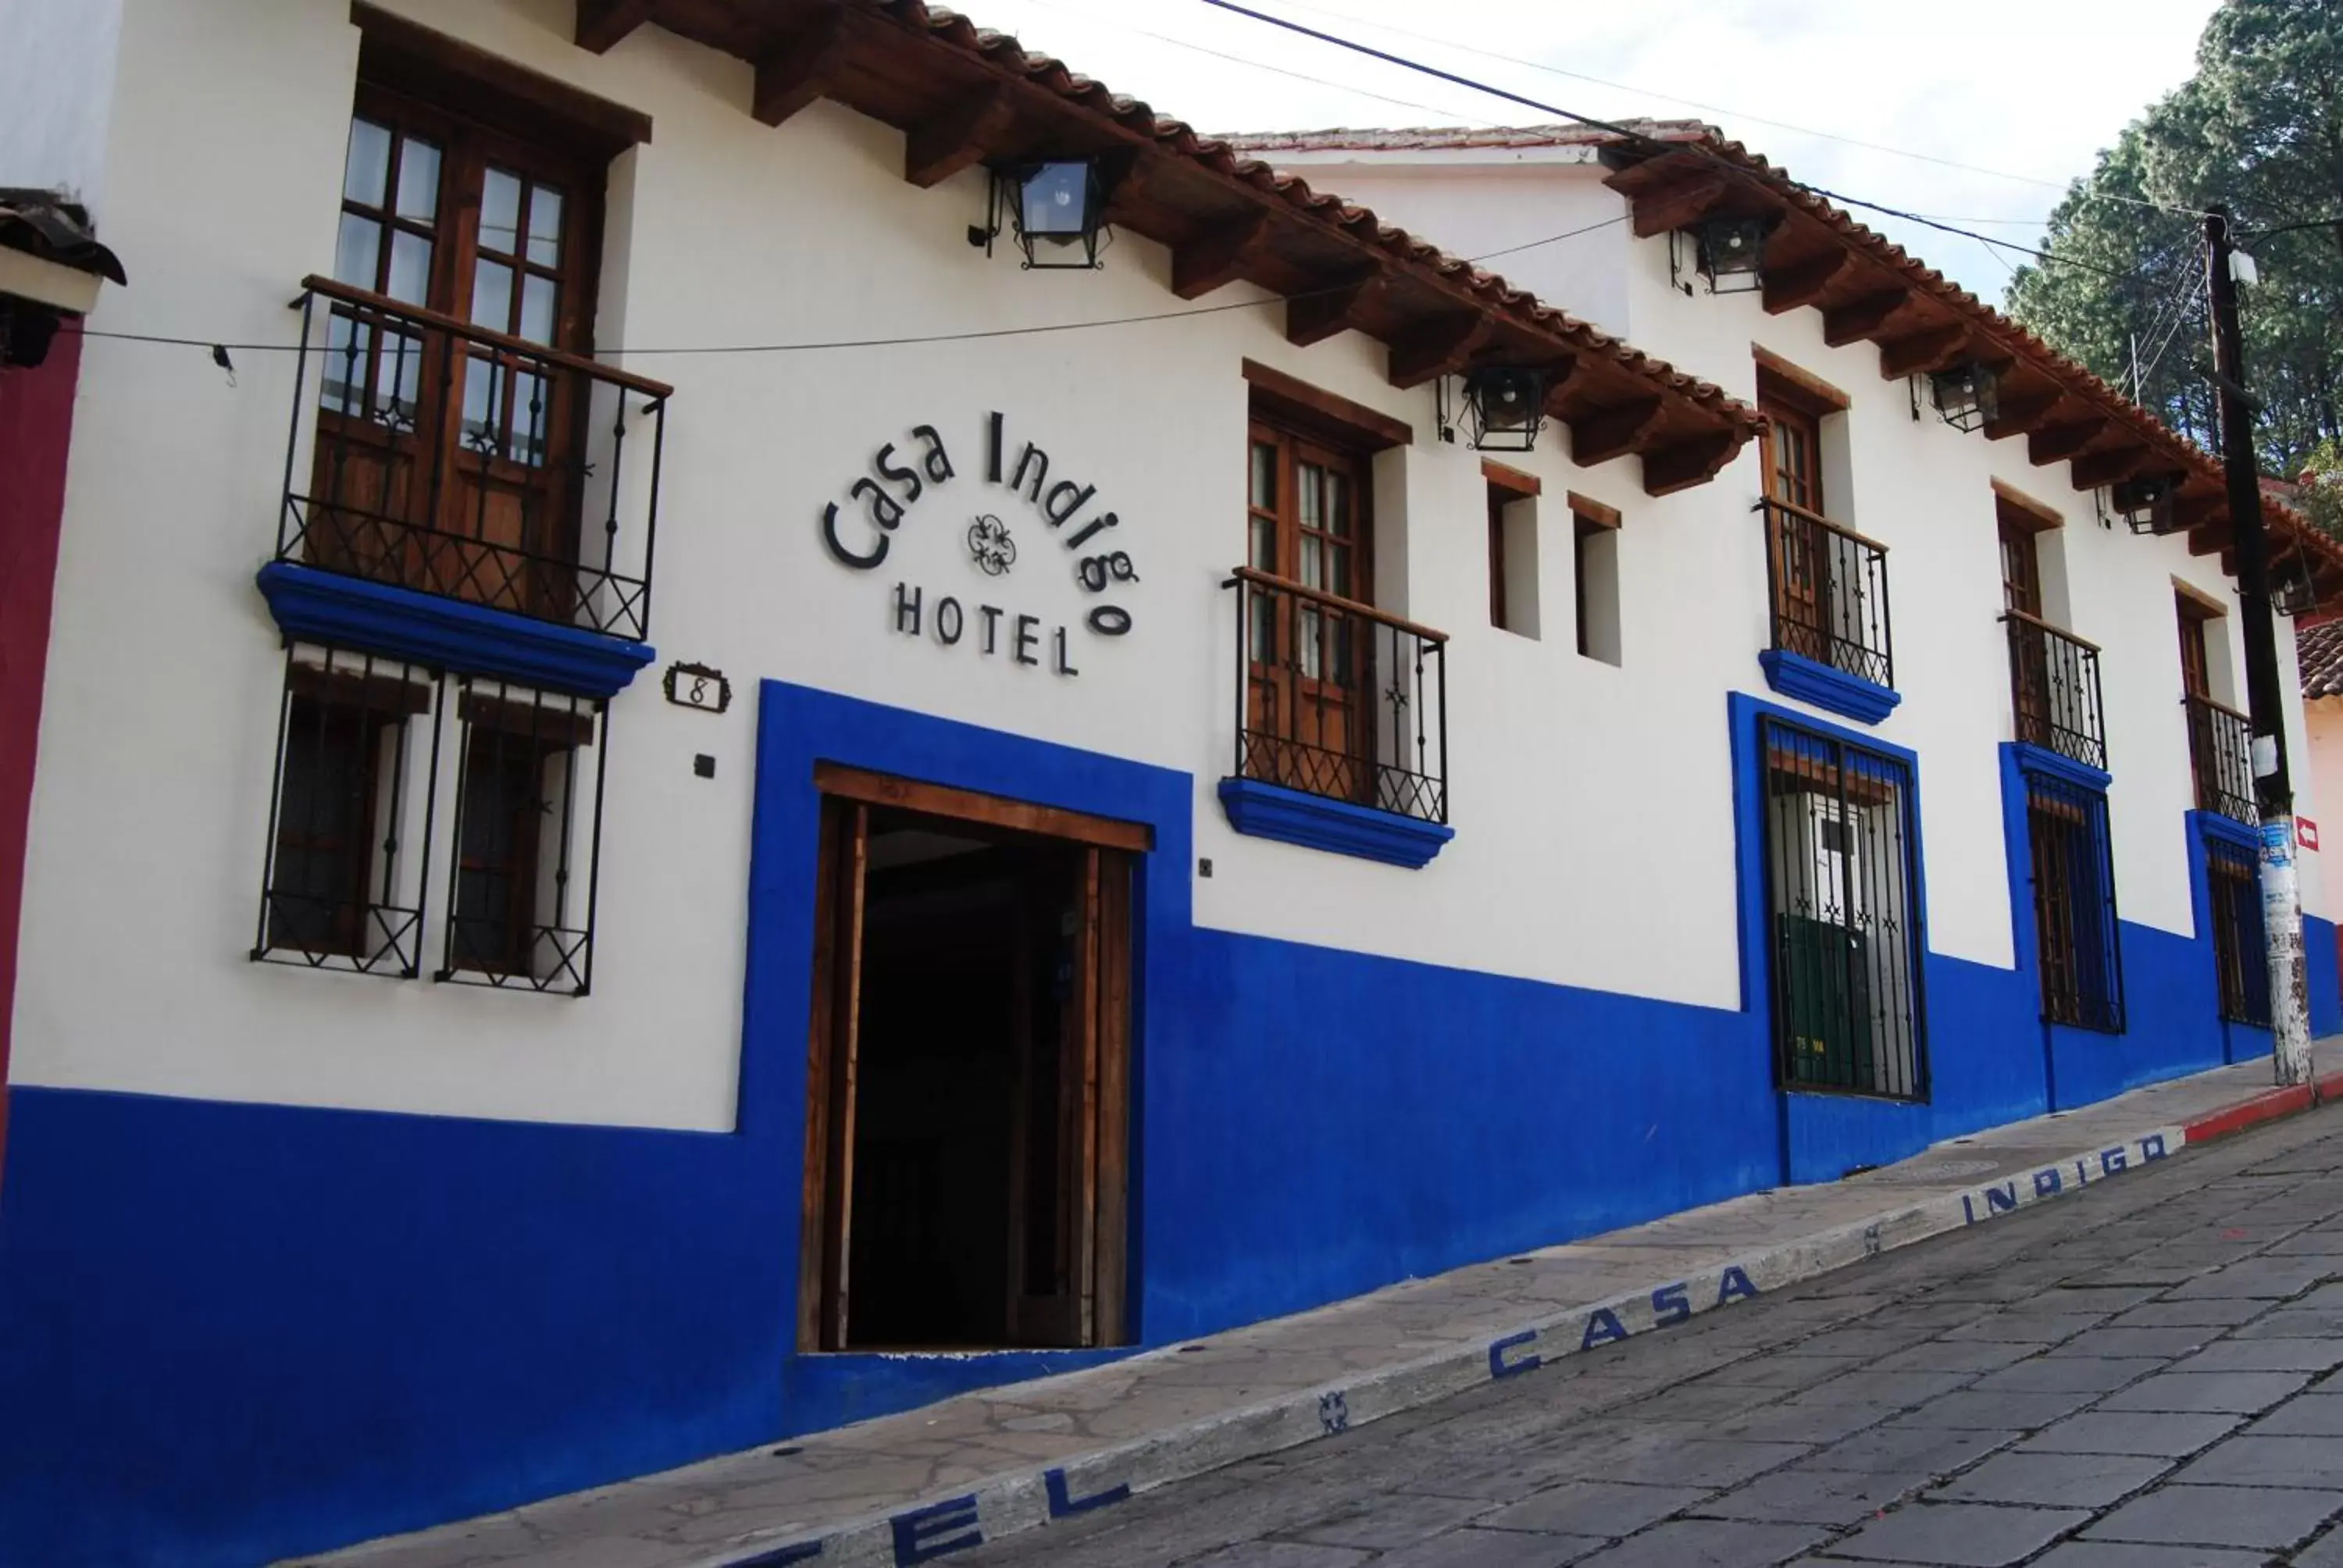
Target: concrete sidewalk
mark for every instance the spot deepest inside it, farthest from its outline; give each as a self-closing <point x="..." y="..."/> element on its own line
<point x="911" y="1488"/>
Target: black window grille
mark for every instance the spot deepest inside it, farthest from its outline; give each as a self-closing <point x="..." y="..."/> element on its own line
<point x="2233" y="883"/>
<point x="2054" y="689"/>
<point x="2077" y="947"/>
<point x="336" y="891"/>
<point x="2221" y="757"/>
<point x="528" y="838"/>
<point x="1339" y="699"/>
<point x="1840" y="853"/>
<point x="1829" y="587"/>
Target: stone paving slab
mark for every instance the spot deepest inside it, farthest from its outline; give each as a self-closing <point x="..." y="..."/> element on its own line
<point x="906" y="1488"/>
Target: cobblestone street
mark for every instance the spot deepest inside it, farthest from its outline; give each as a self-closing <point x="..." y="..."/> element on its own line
<point x="2142" y="1376"/>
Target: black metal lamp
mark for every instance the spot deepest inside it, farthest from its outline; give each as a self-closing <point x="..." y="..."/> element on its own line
<point x="2145" y="501"/>
<point x="1967" y="394"/>
<point x="1058" y="208"/>
<point x="1730" y="253"/>
<point x="1504" y="408"/>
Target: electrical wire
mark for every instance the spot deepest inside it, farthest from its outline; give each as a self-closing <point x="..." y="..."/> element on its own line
<point x="1734" y="114"/>
<point x="1261" y="65"/>
<point x="1628" y="133"/>
<point x="611" y="355"/>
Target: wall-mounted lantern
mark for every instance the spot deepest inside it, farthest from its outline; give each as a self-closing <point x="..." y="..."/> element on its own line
<point x="1057" y="208"/>
<point x="1504" y="408"/>
<point x="1729" y="252"/>
<point x="1968" y="396"/>
<point x="2291" y="590"/>
<point x="2145" y="502"/>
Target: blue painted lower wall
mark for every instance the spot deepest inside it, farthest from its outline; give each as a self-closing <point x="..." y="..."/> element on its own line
<point x="230" y="1332"/>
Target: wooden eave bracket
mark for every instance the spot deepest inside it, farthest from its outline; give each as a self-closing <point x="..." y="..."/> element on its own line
<point x="603" y="25"/>
<point x="791" y="76"/>
<point x="1672" y="207"/>
<point x="936" y="150"/>
<point x="1692" y="460"/>
<point x="2021" y="416"/>
<point x="2093" y="470"/>
<point x="1320" y="311"/>
<point x="1439" y="346"/>
<point x="1802" y="283"/>
<point x="1606" y="433"/>
<point x="1221" y="256"/>
<point x="2056" y="443"/>
<point x="1930" y="348"/>
<point x="1860" y="318"/>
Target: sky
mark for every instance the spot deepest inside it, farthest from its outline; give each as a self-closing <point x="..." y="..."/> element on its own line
<point x="2028" y="88"/>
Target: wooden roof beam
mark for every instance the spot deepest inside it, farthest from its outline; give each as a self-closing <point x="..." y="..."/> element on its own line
<point x="2193" y="511"/>
<point x="1858" y="319"/>
<point x="1320" y="311"/>
<point x="1930" y="348"/>
<point x="959" y="139"/>
<point x="793" y="76"/>
<point x="2211" y="541"/>
<point x="2056" y="443"/>
<point x="1671" y="208"/>
<point x="602" y="24"/>
<point x="1438" y="345"/>
<point x="2093" y="470"/>
<point x="2021" y="416"/>
<point x="1802" y="282"/>
<point x="1221" y="256"/>
<point x="1681" y="464"/>
<point x="1606" y="433"/>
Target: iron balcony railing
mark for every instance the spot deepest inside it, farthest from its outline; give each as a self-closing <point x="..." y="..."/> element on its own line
<point x="1339" y="699"/>
<point x="457" y="461"/>
<point x="2054" y="689"/>
<point x="2221" y="755"/>
<point x="1828" y="586"/>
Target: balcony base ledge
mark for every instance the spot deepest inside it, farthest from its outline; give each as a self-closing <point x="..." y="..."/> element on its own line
<point x="1811" y="680"/>
<point x="2032" y="759"/>
<point x="447" y="633"/>
<point x="1315" y="822"/>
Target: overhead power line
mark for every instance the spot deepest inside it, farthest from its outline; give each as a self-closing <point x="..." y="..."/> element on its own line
<point x="1625" y="132"/>
<point x="973" y="335"/>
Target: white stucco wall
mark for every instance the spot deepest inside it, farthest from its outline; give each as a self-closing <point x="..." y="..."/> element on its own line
<point x="1593" y="803"/>
<point x="56" y="89"/>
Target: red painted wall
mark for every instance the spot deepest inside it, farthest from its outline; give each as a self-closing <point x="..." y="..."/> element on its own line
<point x="36" y="428"/>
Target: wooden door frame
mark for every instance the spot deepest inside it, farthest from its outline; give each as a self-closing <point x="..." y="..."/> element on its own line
<point x="1098" y="1047"/>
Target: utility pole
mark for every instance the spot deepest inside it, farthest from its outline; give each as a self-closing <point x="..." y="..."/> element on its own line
<point x="2266" y="703"/>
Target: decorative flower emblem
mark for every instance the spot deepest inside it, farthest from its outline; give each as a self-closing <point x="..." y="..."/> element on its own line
<point x="991" y="546"/>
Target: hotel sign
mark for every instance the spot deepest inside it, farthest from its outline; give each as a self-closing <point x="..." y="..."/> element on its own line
<point x="860" y="534"/>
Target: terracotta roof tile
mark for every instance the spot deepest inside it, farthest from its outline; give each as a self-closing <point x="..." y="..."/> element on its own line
<point x="1691" y="137"/>
<point x="1444" y="138"/>
<point x="2319" y="654"/>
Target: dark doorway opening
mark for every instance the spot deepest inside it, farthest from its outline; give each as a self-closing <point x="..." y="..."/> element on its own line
<point x="968" y="1073"/>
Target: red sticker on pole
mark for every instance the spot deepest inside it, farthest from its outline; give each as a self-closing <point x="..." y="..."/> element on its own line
<point x="2306" y="832"/>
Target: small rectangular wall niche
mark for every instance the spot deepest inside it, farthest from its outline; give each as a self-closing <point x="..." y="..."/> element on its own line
<point x="1512" y="501"/>
<point x="1595" y="557"/>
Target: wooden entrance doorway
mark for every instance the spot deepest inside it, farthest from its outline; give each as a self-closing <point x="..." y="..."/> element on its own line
<point x="968" y="1072"/>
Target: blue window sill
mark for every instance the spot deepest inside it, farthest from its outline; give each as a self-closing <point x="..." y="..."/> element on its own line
<point x="2032" y="759"/>
<point x="447" y="633"/>
<point x="1810" y="680"/>
<point x="1314" y="822"/>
